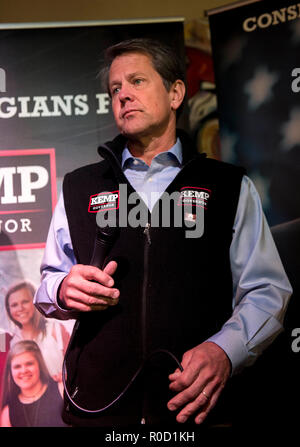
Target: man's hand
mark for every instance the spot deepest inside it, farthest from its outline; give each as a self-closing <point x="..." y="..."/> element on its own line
<point x="88" y="288"/>
<point x="206" y="370"/>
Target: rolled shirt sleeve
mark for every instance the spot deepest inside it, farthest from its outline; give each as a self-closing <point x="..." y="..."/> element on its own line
<point x="261" y="289"/>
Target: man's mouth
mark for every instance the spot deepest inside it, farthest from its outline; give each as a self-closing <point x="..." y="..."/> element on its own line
<point x="129" y="112"/>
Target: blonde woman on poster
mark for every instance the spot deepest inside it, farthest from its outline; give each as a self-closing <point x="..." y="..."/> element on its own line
<point x="50" y="335"/>
<point x="31" y="398"/>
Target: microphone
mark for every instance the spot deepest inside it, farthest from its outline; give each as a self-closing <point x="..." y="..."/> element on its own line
<point x="105" y="238"/>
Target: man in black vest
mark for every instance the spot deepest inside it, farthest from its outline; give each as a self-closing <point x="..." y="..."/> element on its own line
<point x="214" y="302"/>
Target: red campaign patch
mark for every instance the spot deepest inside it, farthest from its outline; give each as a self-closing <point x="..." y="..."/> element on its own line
<point x="194" y="195"/>
<point x="104" y="201"/>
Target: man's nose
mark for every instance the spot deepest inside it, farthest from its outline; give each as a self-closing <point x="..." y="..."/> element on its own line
<point x="125" y="94"/>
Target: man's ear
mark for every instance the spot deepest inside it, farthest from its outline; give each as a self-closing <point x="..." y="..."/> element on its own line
<point x="177" y="92"/>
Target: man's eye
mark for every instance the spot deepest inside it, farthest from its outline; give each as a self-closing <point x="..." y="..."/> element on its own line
<point x="138" y="81"/>
<point x="115" y="90"/>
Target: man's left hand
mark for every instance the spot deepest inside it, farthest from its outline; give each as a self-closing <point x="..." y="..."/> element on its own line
<point x="206" y="369"/>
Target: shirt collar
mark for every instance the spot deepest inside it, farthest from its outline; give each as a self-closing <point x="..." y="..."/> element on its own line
<point x="175" y="153"/>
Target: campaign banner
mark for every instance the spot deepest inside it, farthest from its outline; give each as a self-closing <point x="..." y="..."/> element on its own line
<point x="51" y="95"/>
<point x="54" y="113"/>
<point x="28" y="182"/>
<point x="255" y="48"/>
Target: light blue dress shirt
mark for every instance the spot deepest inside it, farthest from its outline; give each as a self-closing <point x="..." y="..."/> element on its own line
<point x="261" y="289"/>
<point x="151" y="181"/>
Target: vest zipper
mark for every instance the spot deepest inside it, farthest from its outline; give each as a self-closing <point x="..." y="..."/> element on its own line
<point x="145" y="284"/>
<point x="147" y="244"/>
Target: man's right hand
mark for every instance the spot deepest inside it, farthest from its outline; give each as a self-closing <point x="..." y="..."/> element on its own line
<point x="88" y="288"/>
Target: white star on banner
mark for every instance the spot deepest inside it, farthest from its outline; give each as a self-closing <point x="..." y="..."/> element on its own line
<point x="228" y="141"/>
<point x="291" y="130"/>
<point x="259" y="88"/>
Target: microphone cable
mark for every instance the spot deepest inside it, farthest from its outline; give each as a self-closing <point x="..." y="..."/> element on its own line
<point x="105" y="238"/>
<point x="132" y="380"/>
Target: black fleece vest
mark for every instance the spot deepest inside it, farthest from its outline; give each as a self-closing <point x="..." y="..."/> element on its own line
<point x="175" y="291"/>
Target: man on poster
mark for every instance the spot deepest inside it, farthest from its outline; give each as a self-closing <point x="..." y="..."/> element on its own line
<point x="214" y="302"/>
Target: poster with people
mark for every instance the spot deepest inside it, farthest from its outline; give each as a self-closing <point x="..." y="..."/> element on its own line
<point x="54" y="113"/>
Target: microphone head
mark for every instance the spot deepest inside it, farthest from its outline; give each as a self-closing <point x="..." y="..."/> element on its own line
<point x="104" y="240"/>
<point x="107" y="233"/>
